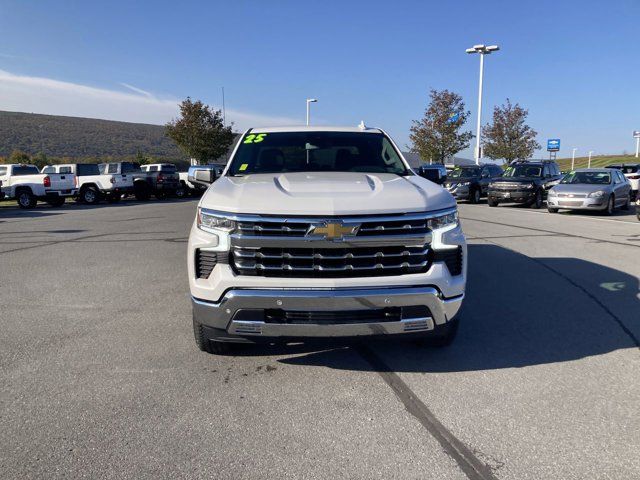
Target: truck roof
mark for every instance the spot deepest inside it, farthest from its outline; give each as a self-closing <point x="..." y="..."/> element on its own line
<point x="314" y="128"/>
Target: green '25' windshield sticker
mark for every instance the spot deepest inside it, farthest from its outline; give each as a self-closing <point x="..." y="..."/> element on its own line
<point x="253" y="138"/>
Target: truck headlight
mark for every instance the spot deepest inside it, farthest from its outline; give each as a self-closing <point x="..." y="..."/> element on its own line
<point x="528" y="185"/>
<point x="597" y="194"/>
<point x="211" y="223"/>
<point x="552" y="193"/>
<point x="443" y="221"/>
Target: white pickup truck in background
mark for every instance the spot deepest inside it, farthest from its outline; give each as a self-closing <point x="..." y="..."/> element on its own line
<point x="91" y="185"/>
<point x="27" y="185"/>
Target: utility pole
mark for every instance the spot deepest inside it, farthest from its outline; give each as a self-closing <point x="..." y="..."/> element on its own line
<point x="482" y="50"/>
<point x="224" y="116"/>
<point x="573" y="157"/>
<point x="590" y="152"/>
<point x="310" y="101"/>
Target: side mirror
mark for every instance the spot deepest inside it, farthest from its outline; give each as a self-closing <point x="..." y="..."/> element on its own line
<point x="205" y="176"/>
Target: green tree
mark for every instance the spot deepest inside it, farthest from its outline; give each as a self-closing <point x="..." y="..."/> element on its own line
<point x="18" y="156"/>
<point x="509" y="137"/>
<point x="40" y="160"/>
<point x="438" y="136"/>
<point x="200" y="132"/>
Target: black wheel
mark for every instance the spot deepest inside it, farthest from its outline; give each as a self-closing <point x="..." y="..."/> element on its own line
<point x="56" y="202"/>
<point x="181" y="192"/>
<point x="492" y="202"/>
<point x="204" y="344"/>
<point x="90" y="195"/>
<point x="474" y="195"/>
<point x="552" y="210"/>
<point x="114" y="197"/>
<point x="142" y="191"/>
<point x="627" y="204"/>
<point x="161" y="195"/>
<point x="444" y="337"/>
<point x="610" y="206"/>
<point x="537" y="203"/>
<point x="26" y="199"/>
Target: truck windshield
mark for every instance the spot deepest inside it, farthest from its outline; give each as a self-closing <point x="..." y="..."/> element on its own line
<point x="465" y="173"/>
<point x="590" y="178"/>
<point x="316" y="152"/>
<point x="523" y="171"/>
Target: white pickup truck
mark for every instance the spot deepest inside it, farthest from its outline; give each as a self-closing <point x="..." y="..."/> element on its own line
<point x="27" y="185"/>
<point x="323" y="232"/>
<point x="92" y="185"/>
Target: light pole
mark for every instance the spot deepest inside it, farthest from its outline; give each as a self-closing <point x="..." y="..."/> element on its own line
<point x="589" y="164"/>
<point x="309" y="101"/>
<point x="482" y="50"/>
<point x="573" y="157"/>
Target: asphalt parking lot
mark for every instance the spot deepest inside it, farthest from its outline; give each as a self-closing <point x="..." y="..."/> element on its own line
<point x="100" y="377"/>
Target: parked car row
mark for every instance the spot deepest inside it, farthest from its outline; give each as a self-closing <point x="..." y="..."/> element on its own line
<point x="92" y="183"/>
<point x="531" y="182"/>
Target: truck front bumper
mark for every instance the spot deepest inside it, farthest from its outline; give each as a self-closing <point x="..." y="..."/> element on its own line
<point x="516" y="196"/>
<point x="241" y="315"/>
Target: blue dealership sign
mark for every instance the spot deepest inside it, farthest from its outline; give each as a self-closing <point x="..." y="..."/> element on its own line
<point x="553" y="145"/>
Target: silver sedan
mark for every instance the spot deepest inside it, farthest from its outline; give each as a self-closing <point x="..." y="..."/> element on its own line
<point x="601" y="189"/>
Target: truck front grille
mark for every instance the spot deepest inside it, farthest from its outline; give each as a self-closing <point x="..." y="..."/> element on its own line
<point x="299" y="228"/>
<point x="298" y="317"/>
<point x="331" y="262"/>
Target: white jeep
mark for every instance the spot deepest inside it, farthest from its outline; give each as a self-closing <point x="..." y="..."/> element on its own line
<point x="323" y="232"/>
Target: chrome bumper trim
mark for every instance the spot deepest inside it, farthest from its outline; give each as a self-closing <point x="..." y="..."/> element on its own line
<point x="220" y="314"/>
<point x="246" y="241"/>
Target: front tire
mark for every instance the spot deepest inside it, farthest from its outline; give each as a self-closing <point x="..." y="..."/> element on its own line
<point x="537" y="203"/>
<point x="181" y="192"/>
<point x="26" y="199"/>
<point x="610" y="206"/>
<point x="474" y="196"/>
<point x="552" y="210"/>
<point x="211" y="347"/>
<point x="142" y="191"/>
<point x="491" y="202"/>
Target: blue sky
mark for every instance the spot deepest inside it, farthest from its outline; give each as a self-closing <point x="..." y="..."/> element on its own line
<point x="573" y="64"/>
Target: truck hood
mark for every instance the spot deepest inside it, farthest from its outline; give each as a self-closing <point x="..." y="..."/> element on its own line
<point x="325" y="193"/>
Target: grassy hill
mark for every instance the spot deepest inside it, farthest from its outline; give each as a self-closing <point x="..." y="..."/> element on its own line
<point x="596" y="161"/>
<point x="83" y="138"/>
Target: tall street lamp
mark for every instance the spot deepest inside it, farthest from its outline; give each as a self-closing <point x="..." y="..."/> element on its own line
<point x="573" y="157"/>
<point x="482" y="50"/>
<point x="309" y="101"/>
<point x="590" y="152"/>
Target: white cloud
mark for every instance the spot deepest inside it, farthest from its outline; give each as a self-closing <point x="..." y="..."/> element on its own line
<point x="22" y="93"/>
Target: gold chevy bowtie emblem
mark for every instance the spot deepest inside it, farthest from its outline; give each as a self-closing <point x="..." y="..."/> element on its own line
<point x="332" y="230"/>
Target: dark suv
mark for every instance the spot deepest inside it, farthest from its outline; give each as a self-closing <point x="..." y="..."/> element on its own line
<point x="471" y="182"/>
<point x="524" y="182"/>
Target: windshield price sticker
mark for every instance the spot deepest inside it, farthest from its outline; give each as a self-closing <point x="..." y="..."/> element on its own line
<point x="255" y="138"/>
<point x="243" y="167"/>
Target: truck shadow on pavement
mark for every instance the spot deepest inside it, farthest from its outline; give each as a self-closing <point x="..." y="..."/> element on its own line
<point x="519" y="311"/>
